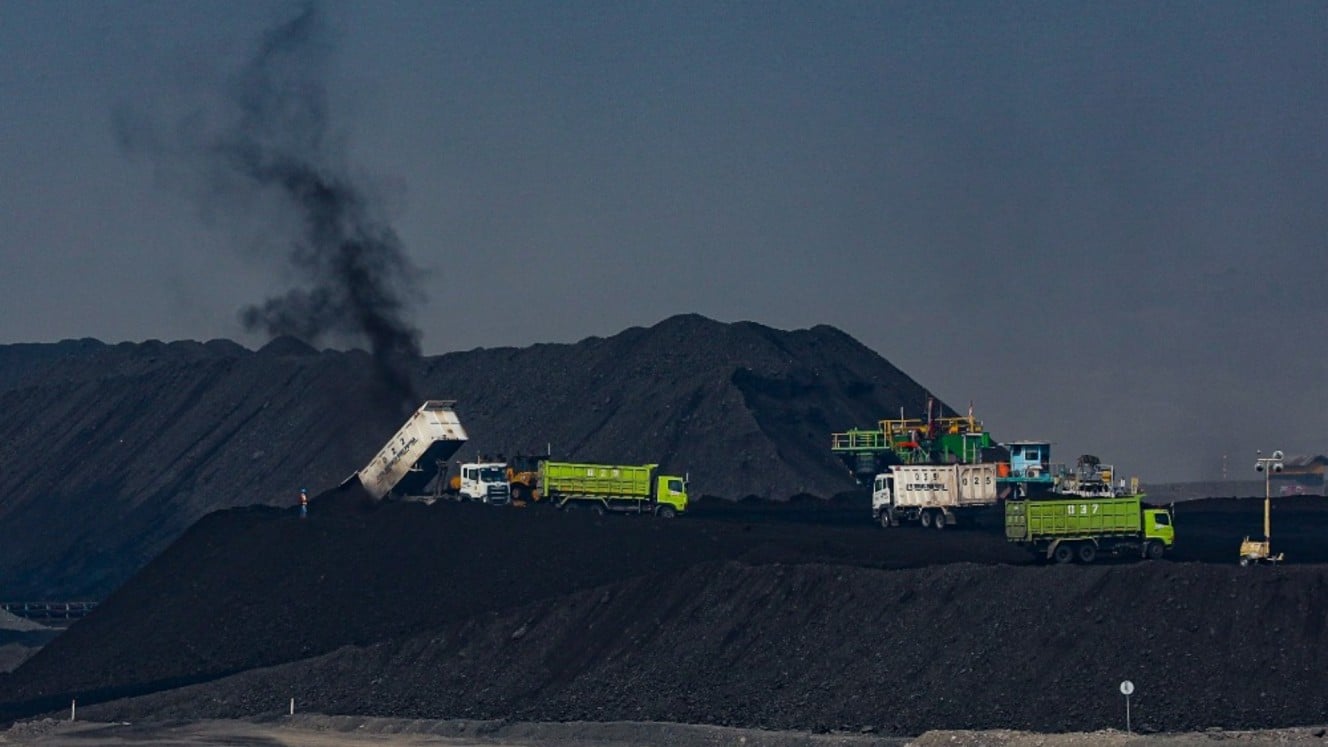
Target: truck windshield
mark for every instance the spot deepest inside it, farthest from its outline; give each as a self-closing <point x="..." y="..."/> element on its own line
<point x="492" y="474"/>
<point x="1162" y="519"/>
<point x="675" y="486"/>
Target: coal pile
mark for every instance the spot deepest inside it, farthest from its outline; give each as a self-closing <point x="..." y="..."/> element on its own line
<point x="819" y="647"/>
<point x="803" y="622"/>
<point x="354" y="573"/>
<point x="20" y="638"/>
<point x="109" y="452"/>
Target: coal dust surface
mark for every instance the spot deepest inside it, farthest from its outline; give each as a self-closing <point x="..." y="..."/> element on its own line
<point x="800" y="615"/>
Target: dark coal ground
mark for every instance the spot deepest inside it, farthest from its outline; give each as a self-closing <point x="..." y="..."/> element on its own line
<point x="795" y="616"/>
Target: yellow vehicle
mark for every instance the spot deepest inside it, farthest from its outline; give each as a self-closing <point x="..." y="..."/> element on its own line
<point x="523" y="479"/>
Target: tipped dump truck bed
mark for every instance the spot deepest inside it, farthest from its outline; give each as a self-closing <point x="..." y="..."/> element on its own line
<point x="409" y="460"/>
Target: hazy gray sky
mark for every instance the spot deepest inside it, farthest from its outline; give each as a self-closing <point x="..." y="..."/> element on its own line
<point x="1103" y="223"/>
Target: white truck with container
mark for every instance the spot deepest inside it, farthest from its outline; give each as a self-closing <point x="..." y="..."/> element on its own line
<point x="933" y="495"/>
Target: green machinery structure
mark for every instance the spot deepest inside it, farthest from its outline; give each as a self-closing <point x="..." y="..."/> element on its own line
<point x="1026" y="468"/>
<point x="948" y="440"/>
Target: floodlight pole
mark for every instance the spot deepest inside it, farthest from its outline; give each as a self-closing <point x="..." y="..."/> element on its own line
<point x="1267" y="504"/>
<point x="1266" y="465"/>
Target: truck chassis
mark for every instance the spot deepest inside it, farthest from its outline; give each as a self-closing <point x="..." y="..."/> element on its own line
<point x="1088" y="549"/>
<point x="929" y="517"/>
<point x="612" y="504"/>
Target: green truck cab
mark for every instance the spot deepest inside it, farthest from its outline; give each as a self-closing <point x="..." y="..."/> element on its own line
<point x="1065" y="528"/>
<point x="613" y="488"/>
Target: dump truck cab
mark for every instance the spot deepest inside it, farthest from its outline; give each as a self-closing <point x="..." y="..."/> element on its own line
<point x="882" y="491"/>
<point x="485" y="482"/>
<point x="671" y="490"/>
<point x="1158" y="526"/>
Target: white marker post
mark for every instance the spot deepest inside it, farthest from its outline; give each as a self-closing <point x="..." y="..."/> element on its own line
<point x="1126" y="689"/>
<point x="73" y="709"/>
<point x="292" y="706"/>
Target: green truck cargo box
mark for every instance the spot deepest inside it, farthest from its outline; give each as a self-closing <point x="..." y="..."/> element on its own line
<point x="1072" y="517"/>
<point x="597" y="479"/>
<point x="1078" y="527"/>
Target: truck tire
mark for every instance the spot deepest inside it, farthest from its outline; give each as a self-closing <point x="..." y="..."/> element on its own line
<point x="938" y="520"/>
<point x="1063" y="553"/>
<point x="1154" y="550"/>
<point x="925" y="519"/>
<point x="520" y="492"/>
<point x="1244" y="562"/>
<point x="1087" y="552"/>
<point x="666" y="512"/>
<point x="884" y="519"/>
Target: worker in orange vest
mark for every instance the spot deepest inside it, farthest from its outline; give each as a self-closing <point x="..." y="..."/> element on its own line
<point x="304" y="503"/>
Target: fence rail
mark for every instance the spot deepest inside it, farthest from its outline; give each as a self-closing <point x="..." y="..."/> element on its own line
<point x="49" y="611"/>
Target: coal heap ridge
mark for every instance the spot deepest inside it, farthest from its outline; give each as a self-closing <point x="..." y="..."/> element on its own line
<point x="462" y="610"/>
<point x="356" y="572"/>
<point x="119" y="448"/>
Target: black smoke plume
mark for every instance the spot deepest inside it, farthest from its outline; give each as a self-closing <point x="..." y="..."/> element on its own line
<point x="265" y="147"/>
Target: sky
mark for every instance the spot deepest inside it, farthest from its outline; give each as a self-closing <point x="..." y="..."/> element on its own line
<point x="1103" y="224"/>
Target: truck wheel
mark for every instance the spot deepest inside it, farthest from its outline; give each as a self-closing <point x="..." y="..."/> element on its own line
<point x="938" y="520"/>
<point x="1087" y="552"/>
<point x="884" y="518"/>
<point x="666" y="512"/>
<point x="925" y="519"/>
<point x="1154" y="550"/>
<point x="1244" y="562"/>
<point x="519" y="492"/>
<point x="1063" y="553"/>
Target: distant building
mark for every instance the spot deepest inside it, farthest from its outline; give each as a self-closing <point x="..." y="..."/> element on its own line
<point x="1300" y="476"/>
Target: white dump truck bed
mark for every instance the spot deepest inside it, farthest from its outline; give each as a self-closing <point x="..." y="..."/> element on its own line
<point x="409" y="460"/>
<point x="944" y="486"/>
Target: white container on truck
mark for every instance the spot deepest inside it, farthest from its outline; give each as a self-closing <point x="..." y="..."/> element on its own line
<point x="410" y="460"/>
<point x="934" y="495"/>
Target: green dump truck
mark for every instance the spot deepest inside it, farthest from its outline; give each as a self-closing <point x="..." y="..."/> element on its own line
<point x="613" y="488"/>
<point x="1065" y="527"/>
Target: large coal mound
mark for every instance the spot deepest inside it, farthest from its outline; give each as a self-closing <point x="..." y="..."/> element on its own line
<point x="775" y="616"/>
<point x="109" y="452"/>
